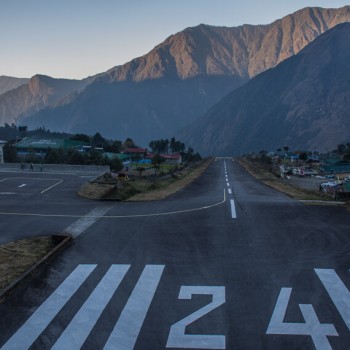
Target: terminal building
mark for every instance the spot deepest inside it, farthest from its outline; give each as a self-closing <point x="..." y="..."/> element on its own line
<point x="39" y="147"/>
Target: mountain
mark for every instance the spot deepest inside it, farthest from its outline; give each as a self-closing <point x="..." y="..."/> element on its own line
<point x="303" y="103"/>
<point x="10" y="83"/>
<point x="38" y="92"/>
<point x="157" y="94"/>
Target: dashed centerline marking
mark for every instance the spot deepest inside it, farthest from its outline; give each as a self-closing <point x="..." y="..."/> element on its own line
<point x="22" y="185"/>
<point x="229" y="191"/>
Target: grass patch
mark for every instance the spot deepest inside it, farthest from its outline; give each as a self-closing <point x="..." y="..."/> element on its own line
<point x="17" y="257"/>
<point x="142" y="188"/>
<point x="162" y="189"/>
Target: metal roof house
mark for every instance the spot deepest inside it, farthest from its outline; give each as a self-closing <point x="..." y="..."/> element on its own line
<point x="39" y="147"/>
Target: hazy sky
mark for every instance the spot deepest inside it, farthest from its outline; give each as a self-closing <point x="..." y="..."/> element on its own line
<point x="78" y="38"/>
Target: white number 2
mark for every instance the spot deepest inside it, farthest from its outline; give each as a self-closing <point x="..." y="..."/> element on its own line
<point x="312" y="326"/>
<point x="177" y="337"/>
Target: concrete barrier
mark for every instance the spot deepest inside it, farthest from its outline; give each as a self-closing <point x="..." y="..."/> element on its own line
<point x="55" y="168"/>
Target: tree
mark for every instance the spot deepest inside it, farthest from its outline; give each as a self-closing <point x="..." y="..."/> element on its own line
<point x="81" y="137"/>
<point x="129" y="143"/>
<point x="115" y="164"/>
<point x="157" y="159"/>
<point x="23" y="130"/>
<point x="303" y="156"/>
<point x="98" y="140"/>
<point x="341" y="148"/>
<point x="159" y="146"/>
<point x="10" y="154"/>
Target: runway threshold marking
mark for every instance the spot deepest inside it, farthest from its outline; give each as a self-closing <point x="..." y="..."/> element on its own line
<point x="131" y="319"/>
<point x="337" y="291"/>
<point x="41" y="318"/>
<point x="83" y="322"/>
<point x="92" y="215"/>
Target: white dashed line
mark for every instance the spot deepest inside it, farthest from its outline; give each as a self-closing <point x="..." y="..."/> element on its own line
<point x="229" y="191"/>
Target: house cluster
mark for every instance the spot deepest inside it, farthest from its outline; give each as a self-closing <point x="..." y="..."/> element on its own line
<point x="143" y="156"/>
<point x="331" y="171"/>
<point x="40" y="147"/>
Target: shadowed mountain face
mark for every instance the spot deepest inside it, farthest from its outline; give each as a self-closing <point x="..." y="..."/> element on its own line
<point x="10" y="83"/>
<point x="304" y="103"/>
<point x="163" y="91"/>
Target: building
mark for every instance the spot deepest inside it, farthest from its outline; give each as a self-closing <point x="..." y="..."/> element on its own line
<point x="39" y="147"/>
<point x="175" y="159"/>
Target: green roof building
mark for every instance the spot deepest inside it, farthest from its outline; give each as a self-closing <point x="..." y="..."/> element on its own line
<point x="39" y="147"/>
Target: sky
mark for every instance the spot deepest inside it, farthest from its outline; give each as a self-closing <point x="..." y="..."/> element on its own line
<point x="79" y="38"/>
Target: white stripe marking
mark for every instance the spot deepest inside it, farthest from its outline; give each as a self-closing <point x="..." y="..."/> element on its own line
<point x="228" y="184"/>
<point x="80" y="327"/>
<point x="78" y="227"/>
<point x="233" y="209"/>
<point x="127" y="329"/>
<point x="337" y="291"/>
<point x="49" y="188"/>
<point x="229" y="191"/>
<point x="22" y="185"/>
<point x="41" y="318"/>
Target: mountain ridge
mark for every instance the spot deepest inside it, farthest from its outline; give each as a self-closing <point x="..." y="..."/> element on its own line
<point x="303" y="103"/>
<point x="159" y="93"/>
<point x="8" y="83"/>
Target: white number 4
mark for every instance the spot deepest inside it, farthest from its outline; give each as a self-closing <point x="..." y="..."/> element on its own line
<point x="311" y="327"/>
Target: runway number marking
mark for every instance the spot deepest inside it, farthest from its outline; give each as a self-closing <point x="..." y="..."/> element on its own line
<point x="177" y="337"/>
<point x="127" y="328"/>
<point x="339" y="294"/>
<point x="311" y="327"/>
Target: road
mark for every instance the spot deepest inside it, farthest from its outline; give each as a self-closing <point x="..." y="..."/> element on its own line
<point x="227" y="263"/>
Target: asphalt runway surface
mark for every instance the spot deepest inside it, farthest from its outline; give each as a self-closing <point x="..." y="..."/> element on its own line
<point x="226" y="263"/>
